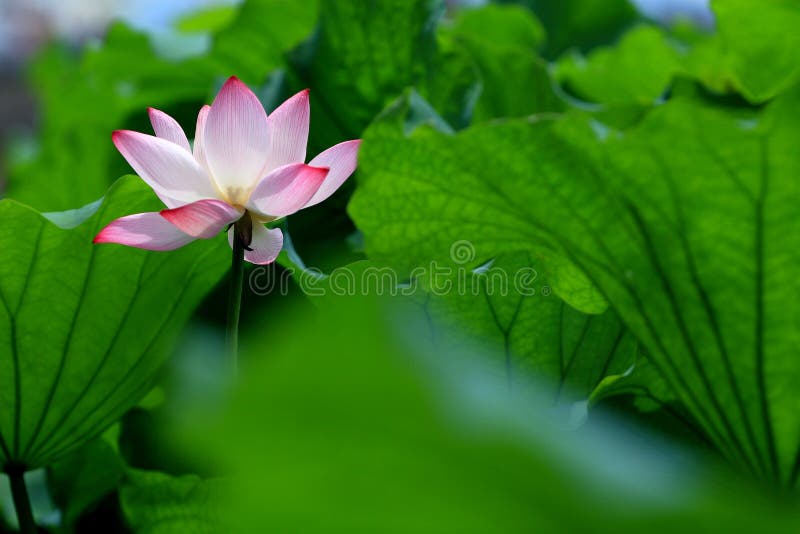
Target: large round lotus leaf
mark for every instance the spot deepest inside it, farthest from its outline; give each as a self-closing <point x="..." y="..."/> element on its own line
<point x="83" y="327"/>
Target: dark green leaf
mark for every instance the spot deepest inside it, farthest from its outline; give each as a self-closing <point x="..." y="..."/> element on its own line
<point x="80" y="479"/>
<point x="83" y="100"/>
<point x="155" y="503"/>
<point x="366" y="53"/>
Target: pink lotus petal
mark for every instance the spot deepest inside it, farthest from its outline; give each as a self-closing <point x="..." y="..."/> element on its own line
<point x="236" y="138"/>
<point x="171" y="171"/>
<point x="288" y="129"/>
<point x="149" y="231"/>
<point x="203" y="219"/>
<point x="286" y="189"/>
<point x="266" y="244"/>
<point x="199" y="136"/>
<point x="342" y="160"/>
<point x="168" y="128"/>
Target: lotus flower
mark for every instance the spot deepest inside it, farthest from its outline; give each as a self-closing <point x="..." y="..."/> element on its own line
<point x="244" y="170"/>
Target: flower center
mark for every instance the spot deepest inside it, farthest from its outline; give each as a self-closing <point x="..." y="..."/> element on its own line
<point x="237" y="196"/>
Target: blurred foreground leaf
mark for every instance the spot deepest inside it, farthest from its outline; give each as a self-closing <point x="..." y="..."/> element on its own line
<point x="358" y="428"/>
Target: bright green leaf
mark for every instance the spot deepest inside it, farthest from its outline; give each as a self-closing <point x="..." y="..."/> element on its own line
<point x="84" y="327"/>
<point x="636" y="70"/>
<point x="419" y="197"/>
<point x="502" y="25"/>
<point x="759" y="43"/>
<point x="433" y="204"/>
<point x="207" y="20"/>
<point x="508" y="309"/>
<point x="684" y="223"/>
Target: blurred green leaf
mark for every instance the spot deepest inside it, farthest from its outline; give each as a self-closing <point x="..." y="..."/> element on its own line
<point x="503" y="41"/>
<point x="212" y="19"/>
<point x="580" y="23"/>
<point x="358" y="428"/>
<point x="502" y="25"/>
<point x="83" y="327"/>
<point x="636" y="70"/>
<point x="757" y="43"/>
<point x="84" y="98"/>
<point x="260" y="36"/>
<point x="155" y="503"/>
<point x="750" y="53"/>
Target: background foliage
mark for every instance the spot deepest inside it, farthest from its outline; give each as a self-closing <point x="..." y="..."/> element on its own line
<point x="644" y="176"/>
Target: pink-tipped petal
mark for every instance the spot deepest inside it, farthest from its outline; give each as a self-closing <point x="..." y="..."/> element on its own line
<point x="288" y="130"/>
<point x="265" y="245"/>
<point x="170" y="170"/>
<point x="203" y="219"/>
<point x="286" y="189"/>
<point x="236" y="138"/>
<point x="341" y="159"/>
<point x="168" y="128"/>
<point x="149" y="231"/>
<point x="199" y="136"/>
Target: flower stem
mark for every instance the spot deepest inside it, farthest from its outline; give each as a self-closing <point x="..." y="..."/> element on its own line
<point x="22" y="502"/>
<point x="235" y="300"/>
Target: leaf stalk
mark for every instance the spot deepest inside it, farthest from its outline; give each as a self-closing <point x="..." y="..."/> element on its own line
<point x="22" y="502"/>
